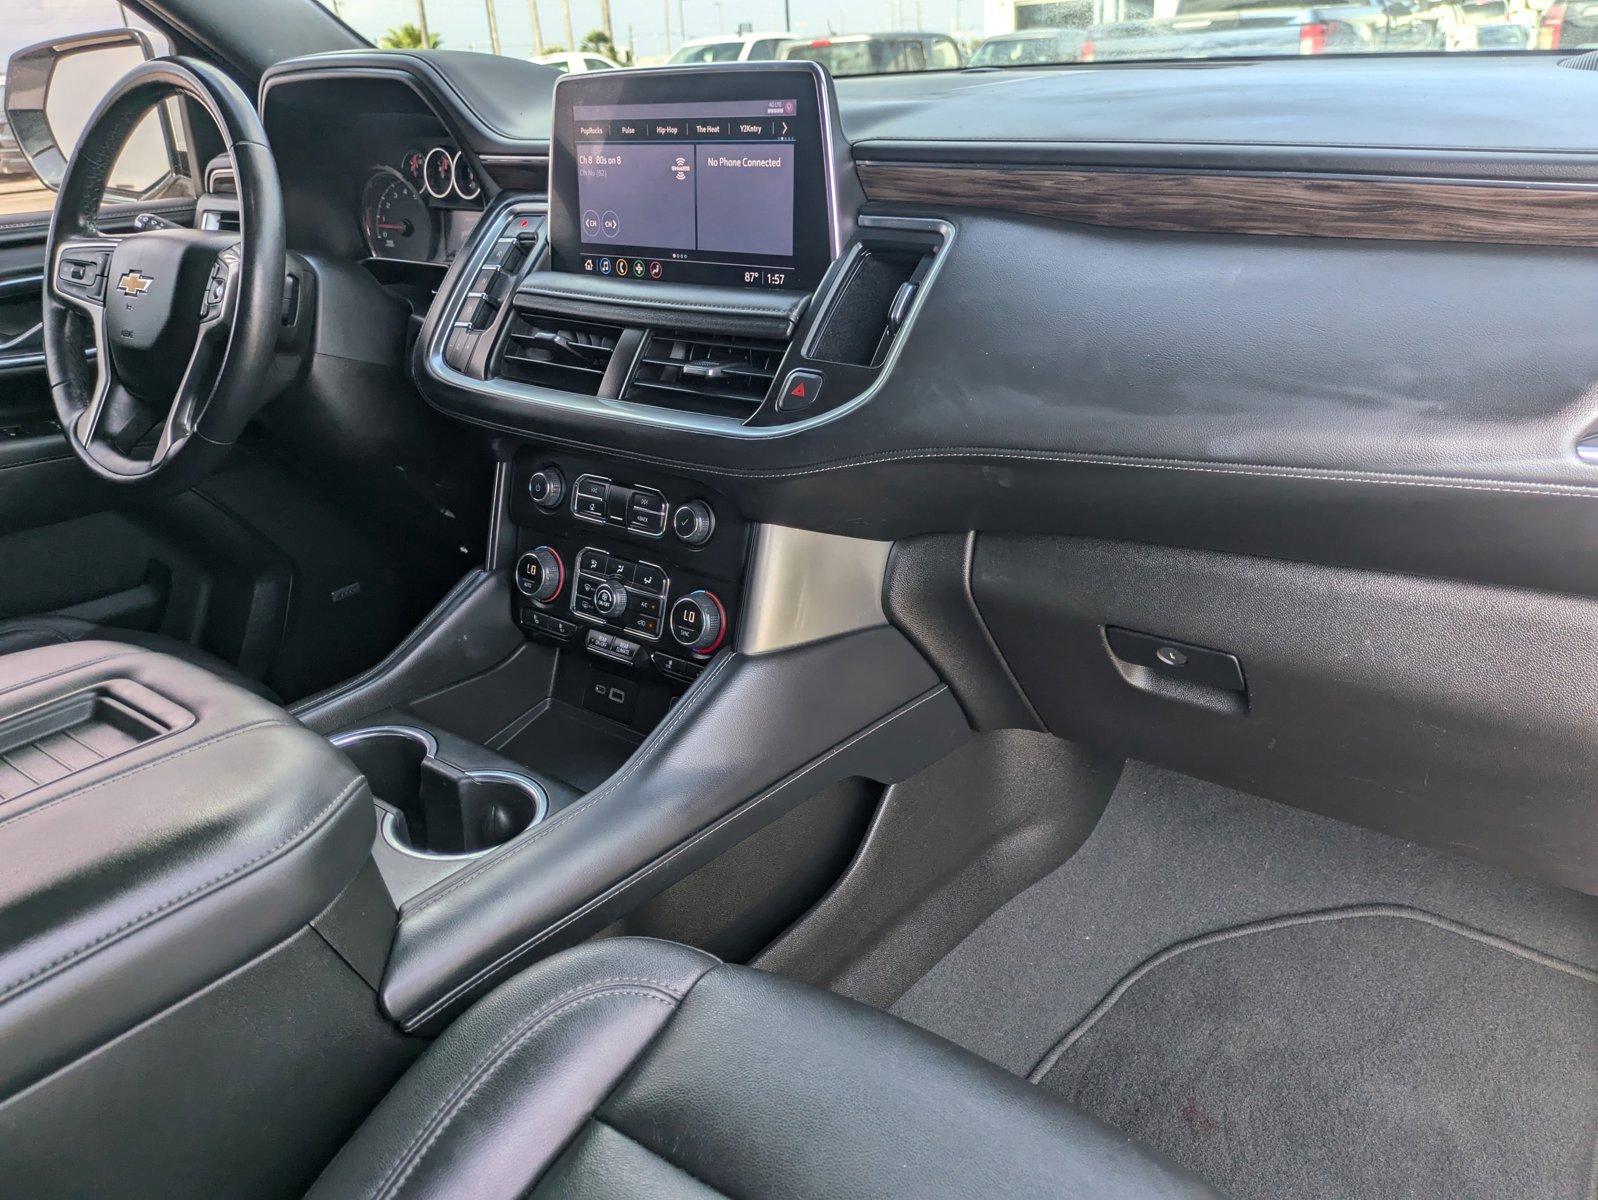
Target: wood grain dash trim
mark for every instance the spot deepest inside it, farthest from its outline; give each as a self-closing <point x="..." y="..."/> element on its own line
<point x="1278" y="205"/>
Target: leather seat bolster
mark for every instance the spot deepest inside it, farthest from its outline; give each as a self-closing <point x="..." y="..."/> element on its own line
<point x="494" y="1100"/>
<point x="631" y="1068"/>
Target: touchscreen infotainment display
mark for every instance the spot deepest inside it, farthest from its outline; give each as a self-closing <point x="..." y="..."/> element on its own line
<point x="714" y="177"/>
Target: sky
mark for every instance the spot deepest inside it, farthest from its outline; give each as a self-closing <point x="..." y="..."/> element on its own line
<point x="464" y="23"/>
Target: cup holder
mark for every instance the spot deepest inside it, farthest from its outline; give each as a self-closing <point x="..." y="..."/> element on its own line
<point x="434" y="809"/>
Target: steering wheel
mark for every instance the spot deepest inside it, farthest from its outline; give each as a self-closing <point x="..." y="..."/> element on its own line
<point x="183" y="322"/>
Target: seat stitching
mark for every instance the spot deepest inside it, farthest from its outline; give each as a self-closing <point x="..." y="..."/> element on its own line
<point x="11" y="989"/>
<point x="650" y="748"/>
<point x="22" y="683"/>
<point x="486" y="1070"/>
<point x="554" y="1002"/>
<point x="77" y="793"/>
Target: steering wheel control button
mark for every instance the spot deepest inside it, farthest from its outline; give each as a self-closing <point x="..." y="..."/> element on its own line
<point x="540" y="574"/>
<point x="693" y="523"/>
<point x="82" y="273"/>
<point x="699" y="622"/>
<point x="547" y="487"/>
<point x="801" y="390"/>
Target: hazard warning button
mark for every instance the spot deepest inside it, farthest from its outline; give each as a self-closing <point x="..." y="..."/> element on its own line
<point x="800" y="390"/>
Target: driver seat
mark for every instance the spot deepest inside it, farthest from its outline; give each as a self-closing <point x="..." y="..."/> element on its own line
<point x="29" y="633"/>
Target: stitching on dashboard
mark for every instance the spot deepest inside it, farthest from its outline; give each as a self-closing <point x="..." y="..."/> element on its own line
<point x="646" y="752"/>
<point x="11" y="989"/>
<point x="1087" y="458"/>
<point x="439" y="1121"/>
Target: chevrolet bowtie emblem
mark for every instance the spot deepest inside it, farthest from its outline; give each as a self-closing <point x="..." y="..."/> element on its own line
<point x="134" y="283"/>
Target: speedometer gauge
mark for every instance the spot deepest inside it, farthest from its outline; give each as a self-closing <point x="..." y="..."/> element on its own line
<point x="396" y="221"/>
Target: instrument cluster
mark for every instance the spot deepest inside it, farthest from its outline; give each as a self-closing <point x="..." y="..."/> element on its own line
<point x="422" y="208"/>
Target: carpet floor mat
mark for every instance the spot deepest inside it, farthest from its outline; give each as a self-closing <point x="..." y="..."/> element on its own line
<point x="1368" y="1052"/>
<point x="1292" y="1006"/>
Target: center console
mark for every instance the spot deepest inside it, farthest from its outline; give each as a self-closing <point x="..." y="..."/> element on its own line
<point x="643" y="679"/>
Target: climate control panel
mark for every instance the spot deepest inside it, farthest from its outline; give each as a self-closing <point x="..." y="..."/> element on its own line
<point x="613" y="590"/>
<point x="641" y="571"/>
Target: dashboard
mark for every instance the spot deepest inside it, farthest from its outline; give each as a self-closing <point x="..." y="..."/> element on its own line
<point x="1045" y="276"/>
<point x="1205" y="316"/>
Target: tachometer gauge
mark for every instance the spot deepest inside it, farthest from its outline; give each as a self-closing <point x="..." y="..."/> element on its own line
<point x="396" y="221"/>
<point x="466" y="185"/>
<point x="440" y="170"/>
<point x="414" y="167"/>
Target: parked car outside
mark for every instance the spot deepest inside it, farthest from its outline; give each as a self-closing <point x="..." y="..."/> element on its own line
<point x="1568" y="26"/>
<point x="747" y="47"/>
<point x="1226" y="29"/>
<point x="575" y="64"/>
<point x="1030" y="47"/>
<point x="879" y="53"/>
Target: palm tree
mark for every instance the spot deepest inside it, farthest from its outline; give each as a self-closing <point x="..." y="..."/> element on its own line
<point x="409" y="36"/>
<point x="538" y="28"/>
<point x="566" y="11"/>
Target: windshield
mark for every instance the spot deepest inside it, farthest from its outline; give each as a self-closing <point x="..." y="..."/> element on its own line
<point x="880" y="37"/>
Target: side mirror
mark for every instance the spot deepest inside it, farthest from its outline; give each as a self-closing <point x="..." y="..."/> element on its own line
<point x="52" y="88"/>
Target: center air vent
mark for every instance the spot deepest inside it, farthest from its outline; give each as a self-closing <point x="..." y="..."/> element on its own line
<point x="557" y="352"/>
<point x="702" y="373"/>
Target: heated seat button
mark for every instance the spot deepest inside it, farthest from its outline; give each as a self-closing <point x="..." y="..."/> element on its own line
<point x="800" y="391"/>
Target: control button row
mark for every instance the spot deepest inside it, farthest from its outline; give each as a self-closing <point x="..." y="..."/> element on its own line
<point x="676" y="668"/>
<point x="617" y="649"/>
<point x="629" y="594"/>
<point x="544" y="622"/>
<point x="639" y="510"/>
<point x="496" y="280"/>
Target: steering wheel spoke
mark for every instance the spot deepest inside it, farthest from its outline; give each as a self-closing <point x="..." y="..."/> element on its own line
<point x="78" y="278"/>
<point x="162" y="338"/>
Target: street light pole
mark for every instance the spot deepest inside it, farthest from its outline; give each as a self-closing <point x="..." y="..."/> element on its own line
<point x="421" y="20"/>
<point x="571" y="38"/>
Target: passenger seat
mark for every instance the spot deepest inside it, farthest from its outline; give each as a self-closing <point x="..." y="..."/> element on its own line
<point x="637" y="1068"/>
